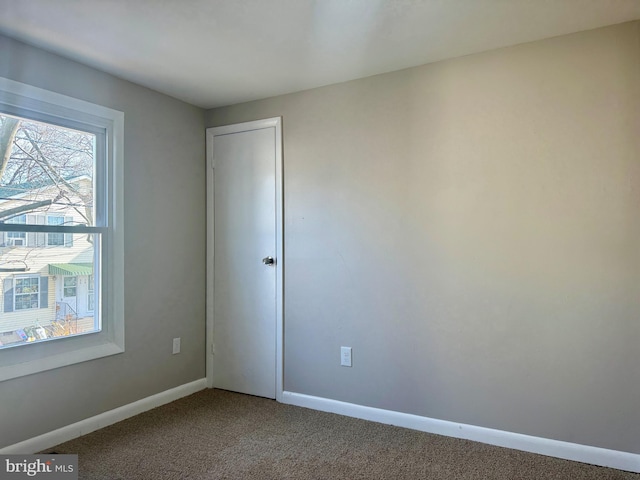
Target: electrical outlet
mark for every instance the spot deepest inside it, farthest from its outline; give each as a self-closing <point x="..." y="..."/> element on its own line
<point x="176" y="345"/>
<point x="345" y="356"/>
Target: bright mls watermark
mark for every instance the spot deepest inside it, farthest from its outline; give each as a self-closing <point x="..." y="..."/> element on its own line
<point x="52" y="467"/>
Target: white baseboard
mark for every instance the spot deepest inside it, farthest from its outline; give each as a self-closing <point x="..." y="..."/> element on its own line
<point x="88" y="425"/>
<point x="544" y="446"/>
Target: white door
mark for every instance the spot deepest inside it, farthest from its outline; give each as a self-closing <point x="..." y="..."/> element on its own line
<point x="70" y="293"/>
<point x="245" y="266"/>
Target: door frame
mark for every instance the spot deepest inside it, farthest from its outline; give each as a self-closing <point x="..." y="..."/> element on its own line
<point x="212" y="132"/>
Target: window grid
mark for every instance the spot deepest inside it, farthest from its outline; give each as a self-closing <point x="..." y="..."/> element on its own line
<point x="70" y="286"/>
<point x="55" y="239"/>
<point x="91" y="298"/>
<point x="27" y="293"/>
<point x="17" y="238"/>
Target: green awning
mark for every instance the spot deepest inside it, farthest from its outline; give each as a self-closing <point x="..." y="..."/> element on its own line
<point x="71" y="269"/>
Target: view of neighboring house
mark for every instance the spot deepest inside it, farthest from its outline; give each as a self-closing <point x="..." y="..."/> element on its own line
<point x="47" y="278"/>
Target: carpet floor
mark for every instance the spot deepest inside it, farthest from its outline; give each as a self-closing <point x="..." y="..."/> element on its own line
<point x="215" y="434"/>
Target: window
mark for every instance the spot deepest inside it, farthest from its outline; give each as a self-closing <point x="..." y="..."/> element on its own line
<point x="54" y="239"/>
<point x="60" y="197"/>
<point x="16" y="238"/>
<point x="26" y="293"/>
<point x="91" y="299"/>
<point x="70" y="286"/>
<point x="20" y="239"/>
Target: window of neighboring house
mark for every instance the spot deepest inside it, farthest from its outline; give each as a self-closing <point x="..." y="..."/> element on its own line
<point x="16" y="238"/>
<point x="70" y="286"/>
<point x="21" y="239"/>
<point x="26" y="292"/>
<point x="55" y="239"/>
<point x="91" y="298"/>
<point x="63" y="156"/>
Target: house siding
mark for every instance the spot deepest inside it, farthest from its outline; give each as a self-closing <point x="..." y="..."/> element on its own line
<point x="34" y="316"/>
<point x="36" y="256"/>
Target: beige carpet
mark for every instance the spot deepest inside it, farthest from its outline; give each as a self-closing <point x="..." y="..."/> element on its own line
<point x="215" y="434"/>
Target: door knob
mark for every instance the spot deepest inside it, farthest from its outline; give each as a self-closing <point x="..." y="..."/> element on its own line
<point x="268" y="261"/>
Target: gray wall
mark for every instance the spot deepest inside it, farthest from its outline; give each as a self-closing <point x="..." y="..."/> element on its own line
<point x="471" y="229"/>
<point x="164" y="221"/>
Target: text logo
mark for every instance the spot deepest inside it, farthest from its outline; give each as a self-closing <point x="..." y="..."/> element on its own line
<point x="51" y="467"/>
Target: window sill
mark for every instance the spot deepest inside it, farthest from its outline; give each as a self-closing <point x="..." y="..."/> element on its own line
<point x="40" y="357"/>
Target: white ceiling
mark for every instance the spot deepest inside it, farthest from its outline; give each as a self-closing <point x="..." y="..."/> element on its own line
<point x="219" y="52"/>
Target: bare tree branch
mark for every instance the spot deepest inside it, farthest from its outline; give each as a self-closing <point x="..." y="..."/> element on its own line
<point x="12" y="212"/>
<point x="58" y="179"/>
<point x="8" y="130"/>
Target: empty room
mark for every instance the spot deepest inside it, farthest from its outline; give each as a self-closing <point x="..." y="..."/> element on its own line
<point x="320" y="239"/>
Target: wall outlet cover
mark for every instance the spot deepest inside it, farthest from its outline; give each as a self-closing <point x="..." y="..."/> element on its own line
<point x="345" y="356"/>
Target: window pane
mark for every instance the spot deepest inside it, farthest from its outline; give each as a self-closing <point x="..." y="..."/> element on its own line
<point x="49" y="292"/>
<point x="55" y="239"/>
<point x="15" y="238"/>
<point x="91" y="298"/>
<point x="70" y="284"/>
<point x="50" y="171"/>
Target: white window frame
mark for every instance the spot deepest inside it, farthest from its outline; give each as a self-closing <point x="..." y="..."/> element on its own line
<point x="16" y="294"/>
<point x="30" y="102"/>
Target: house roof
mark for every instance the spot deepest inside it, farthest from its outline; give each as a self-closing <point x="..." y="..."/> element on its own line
<point x="8" y="191"/>
<point x="17" y="189"/>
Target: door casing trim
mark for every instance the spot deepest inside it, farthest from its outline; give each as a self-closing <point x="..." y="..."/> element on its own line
<point x="212" y="132"/>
